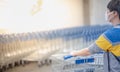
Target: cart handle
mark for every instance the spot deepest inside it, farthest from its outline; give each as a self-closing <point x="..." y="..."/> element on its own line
<point x="67" y="57"/>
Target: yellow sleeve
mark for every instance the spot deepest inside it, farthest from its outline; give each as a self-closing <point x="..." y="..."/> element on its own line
<point x="103" y="43"/>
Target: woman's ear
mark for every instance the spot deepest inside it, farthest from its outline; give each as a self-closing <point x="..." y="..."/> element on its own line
<point x="115" y="13"/>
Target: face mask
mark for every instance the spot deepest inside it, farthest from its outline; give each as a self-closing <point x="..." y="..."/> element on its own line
<point x="108" y="16"/>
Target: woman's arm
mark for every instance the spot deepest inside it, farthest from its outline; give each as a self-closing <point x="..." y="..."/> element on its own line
<point x="82" y="52"/>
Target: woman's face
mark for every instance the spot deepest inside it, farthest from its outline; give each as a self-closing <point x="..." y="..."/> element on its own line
<point x="111" y="16"/>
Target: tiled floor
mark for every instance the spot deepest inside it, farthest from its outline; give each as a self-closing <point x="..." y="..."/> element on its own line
<point x="31" y="68"/>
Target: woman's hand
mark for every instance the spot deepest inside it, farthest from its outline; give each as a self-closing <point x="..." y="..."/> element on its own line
<point x="82" y="52"/>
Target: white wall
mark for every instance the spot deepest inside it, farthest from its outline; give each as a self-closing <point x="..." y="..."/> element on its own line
<point x="16" y="15"/>
<point x="97" y="11"/>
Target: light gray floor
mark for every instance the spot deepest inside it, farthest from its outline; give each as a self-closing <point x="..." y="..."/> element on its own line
<point x="32" y="67"/>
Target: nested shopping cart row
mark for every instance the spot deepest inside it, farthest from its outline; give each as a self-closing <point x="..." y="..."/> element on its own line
<point x="16" y="46"/>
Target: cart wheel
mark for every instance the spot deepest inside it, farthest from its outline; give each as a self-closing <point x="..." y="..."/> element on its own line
<point x="43" y="62"/>
<point x="1" y="70"/>
<point x="23" y="63"/>
<point x="7" y="66"/>
<point x="48" y="62"/>
<point x="10" y="65"/>
<point x="27" y="62"/>
<point x="13" y="65"/>
<point x="20" y="62"/>
<point x="4" y="68"/>
<point x="17" y="63"/>
<point x="39" y="63"/>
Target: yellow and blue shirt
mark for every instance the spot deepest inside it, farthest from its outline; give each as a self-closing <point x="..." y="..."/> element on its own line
<point x="109" y="42"/>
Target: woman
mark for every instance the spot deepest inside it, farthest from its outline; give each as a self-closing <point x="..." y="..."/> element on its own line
<point x="109" y="41"/>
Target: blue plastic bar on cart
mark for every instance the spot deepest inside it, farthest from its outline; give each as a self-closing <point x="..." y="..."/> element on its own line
<point x="85" y="60"/>
<point x="67" y="57"/>
<point x="89" y="60"/>
<point x="79" y="61"/>
<point x="100" y="52"/>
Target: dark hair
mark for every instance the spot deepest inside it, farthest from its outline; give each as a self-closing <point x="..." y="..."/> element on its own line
<point x="114" y="5"/>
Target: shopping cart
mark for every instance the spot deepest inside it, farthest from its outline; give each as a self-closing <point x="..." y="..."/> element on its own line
<point x="77" y="64"/>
